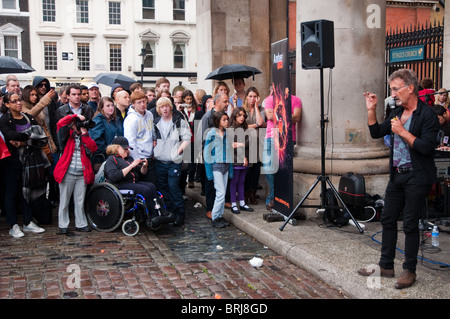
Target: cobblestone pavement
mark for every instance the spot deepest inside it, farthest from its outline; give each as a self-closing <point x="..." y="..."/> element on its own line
<point x="191" y="262"/>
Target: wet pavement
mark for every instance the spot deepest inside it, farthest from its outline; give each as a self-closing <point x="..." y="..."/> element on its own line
<point x="195" y="261"/>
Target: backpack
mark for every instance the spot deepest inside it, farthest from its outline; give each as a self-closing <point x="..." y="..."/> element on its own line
<point x="100" y="176"/>
<point x="333" y="213"/>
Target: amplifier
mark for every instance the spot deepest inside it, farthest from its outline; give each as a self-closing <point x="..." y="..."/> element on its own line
<point x="443" y="166"/>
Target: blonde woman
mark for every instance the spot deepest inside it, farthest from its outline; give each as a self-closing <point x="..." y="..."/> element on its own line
<point x="442" y="98"/>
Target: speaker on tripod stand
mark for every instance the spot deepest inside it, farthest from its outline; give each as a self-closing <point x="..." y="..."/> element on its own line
<point x="317" y="44"/>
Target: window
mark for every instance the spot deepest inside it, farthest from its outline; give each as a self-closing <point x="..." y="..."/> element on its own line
<point x="11" y="40"/>
<point x="11" y="46"/>
<point x="149" y="61"/>
<point x="48" y="11"/>
<point x="83" y="54"/>
<point x="82" y="7"/>
<point x="115" y="57"/>
<point x="179" y="56"/>
<point x="114" y="13"/>
<point x="180" y="40"/>
<point x="10" y="5"/>
<point x="178" y="10"/>
<point x="50" y="56"/>
<point x="148" y="9"/>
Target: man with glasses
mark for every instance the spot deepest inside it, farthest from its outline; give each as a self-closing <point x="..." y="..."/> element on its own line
<point x="414" y="128"/>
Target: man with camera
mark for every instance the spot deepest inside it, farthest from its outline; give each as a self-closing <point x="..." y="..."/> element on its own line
<point x="74" y="170"/>
<point x="74" y="106"/>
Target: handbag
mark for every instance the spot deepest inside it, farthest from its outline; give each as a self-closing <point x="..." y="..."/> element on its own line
<point x="33" y="167"/>
<point x="4" y="151"/>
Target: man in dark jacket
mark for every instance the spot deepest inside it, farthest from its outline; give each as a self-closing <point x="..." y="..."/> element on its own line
<point x="74" y="106"/>
<point x="42" y="86"/>
<point x="414" y="128"/>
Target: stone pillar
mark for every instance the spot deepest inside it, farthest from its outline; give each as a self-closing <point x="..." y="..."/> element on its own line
<point x="446" y="58"/>
<point x="233" y="31"/>
<point x="359" y="35"/>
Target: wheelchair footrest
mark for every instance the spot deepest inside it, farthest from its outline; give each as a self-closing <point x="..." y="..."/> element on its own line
<point x="126" y="191"/>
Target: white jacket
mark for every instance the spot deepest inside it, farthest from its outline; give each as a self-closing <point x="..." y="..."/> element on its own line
<point x="138" y="130"/>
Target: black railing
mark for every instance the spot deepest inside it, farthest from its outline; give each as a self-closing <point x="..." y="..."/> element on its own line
<point x="429" y="63"/>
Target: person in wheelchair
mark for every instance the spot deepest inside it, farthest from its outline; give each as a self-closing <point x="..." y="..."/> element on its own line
<point x="124" y="172"/>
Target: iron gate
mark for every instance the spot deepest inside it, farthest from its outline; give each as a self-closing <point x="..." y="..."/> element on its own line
<point x="425" y="45"/>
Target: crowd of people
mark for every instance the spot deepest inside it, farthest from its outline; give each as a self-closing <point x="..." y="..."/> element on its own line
<point x="149" y="139"/>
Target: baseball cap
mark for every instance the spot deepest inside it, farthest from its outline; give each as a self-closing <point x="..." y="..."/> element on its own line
<point x="92" y="85"/>
<point x="122" y="141"/>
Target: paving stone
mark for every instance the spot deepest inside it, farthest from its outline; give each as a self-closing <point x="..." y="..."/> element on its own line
<point x="195" y="261"/>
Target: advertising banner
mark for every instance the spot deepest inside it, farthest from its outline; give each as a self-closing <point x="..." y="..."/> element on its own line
<point x="283" y="179"/>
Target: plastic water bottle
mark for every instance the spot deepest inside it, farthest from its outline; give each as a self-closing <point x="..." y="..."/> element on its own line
<point x="435" y="236"/>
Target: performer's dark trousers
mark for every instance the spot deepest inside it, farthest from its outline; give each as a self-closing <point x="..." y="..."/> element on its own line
<point x="404" y="194"/>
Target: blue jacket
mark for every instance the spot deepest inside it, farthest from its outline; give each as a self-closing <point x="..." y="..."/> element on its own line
<point x="104" y="132"/>
<point x="217" y="150"/>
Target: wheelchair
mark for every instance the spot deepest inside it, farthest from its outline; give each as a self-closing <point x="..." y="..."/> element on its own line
<point x="107" y="208"/>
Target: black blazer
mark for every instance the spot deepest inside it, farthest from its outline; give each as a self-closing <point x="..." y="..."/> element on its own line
<point x="8" y="128"/>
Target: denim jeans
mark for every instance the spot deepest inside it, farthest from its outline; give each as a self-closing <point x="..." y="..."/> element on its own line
<point x="268" y="168"/>
<point x="220" y="185"/>
<point x="168" y="180"/>
<point x="404" y="194"/>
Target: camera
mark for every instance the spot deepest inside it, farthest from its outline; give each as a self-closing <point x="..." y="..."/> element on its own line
<point x="87" y="124"/>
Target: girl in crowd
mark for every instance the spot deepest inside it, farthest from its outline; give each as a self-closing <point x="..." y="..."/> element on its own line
<point x="218" y="165"/>
<point x="255" y="120"/>
<point x="241" y="149"/>
<point x="107" y="127"/>
<point x="191" y="106"/>
<point x="13" y="123"/>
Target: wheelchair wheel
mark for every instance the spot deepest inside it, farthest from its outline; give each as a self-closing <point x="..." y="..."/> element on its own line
<point x="104" y="207"/>
<point x="130" y="227"/>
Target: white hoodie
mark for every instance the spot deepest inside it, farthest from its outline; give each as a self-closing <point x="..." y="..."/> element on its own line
<point x="137" y="130"/>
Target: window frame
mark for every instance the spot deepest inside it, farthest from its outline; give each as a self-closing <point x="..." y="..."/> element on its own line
<point x="51" y="11"/>
<point x="79" y="60"/>
<point x="11" y="30"/>
<point x="79" y="14"/>
<point x="178" y="11"/>
<point x="152" y="9"/>
<point x="110" y="17"/>
<point x="15" y="10"/>
<point x="119" y="58"/>
<point x="56" y="62"/>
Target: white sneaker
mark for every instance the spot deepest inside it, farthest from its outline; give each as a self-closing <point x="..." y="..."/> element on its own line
<point x="16" y="232"/>
<point x="32" y="227"/>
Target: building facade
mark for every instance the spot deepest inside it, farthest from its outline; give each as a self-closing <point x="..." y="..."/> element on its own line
<point x="15" y="30"/>
<point x="72" y="41"/>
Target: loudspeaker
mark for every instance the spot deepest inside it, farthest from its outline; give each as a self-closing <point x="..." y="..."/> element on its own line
<point x="317" y="40"/>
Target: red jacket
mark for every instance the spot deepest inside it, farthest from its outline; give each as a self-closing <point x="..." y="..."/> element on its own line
<point x="64" y="162"/>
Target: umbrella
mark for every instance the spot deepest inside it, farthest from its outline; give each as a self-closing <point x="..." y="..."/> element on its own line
<point x="233" y="71"/>
<point x="9" y="64"/>
<point x="110" y="79"/>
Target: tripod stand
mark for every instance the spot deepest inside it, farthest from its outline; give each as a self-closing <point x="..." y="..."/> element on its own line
<point x="323" y="179"/>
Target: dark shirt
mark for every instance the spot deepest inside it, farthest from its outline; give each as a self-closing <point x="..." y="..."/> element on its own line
<point x="113" y="170"/>
<point x="425" y="127"/>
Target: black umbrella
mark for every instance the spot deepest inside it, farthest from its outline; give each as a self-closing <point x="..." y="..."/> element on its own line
<point x="9" y="64"/>
<point x="110" y="79"/>
<point x="233" y="71"/>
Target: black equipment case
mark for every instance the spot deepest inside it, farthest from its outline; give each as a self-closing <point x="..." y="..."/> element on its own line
<point x="352" y="189"/>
